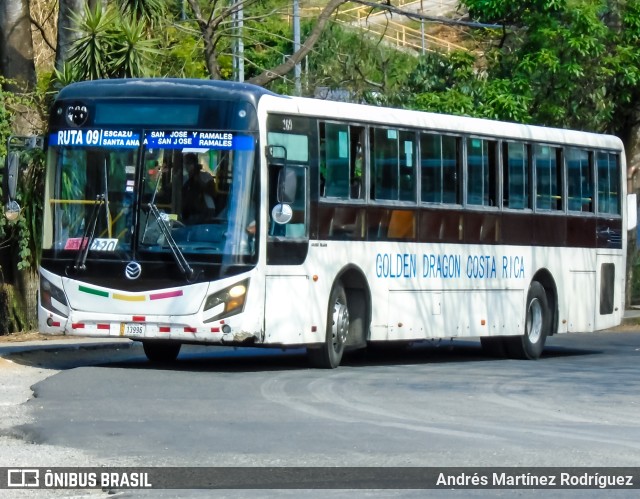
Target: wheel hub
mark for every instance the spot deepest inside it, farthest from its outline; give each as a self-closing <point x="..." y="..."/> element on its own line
<point x="340" y="326"/>
<point x="534" y="321"/>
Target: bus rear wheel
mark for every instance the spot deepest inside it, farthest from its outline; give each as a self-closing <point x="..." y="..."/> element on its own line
<point x="329" y="354"/>
<point x="537" y="320"/>
<point x="161" y="351"/>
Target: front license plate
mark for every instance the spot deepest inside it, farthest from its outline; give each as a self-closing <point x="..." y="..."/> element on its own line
<point x="127" y="329"/>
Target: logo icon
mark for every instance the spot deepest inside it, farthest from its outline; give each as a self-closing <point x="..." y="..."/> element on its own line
<point x="76" y="114"/>
<point x="133" y="270"/>
<point x="23" y="477"/>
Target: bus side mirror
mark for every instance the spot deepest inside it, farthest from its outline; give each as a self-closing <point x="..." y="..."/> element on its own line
<point x="12" y="208"/>
<point x="276" y="155"/>
<point x="282" y="213"/>
<point x="287" y="185"/>
<point x="13" y="163"/>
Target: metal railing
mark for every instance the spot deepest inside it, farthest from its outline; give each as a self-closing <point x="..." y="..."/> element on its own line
<point x="398" y="32"/>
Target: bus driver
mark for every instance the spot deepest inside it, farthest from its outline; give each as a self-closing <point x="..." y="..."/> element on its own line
<point x="197" y="192"/>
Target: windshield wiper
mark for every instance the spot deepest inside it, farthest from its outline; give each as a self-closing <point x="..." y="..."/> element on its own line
<point x="89" y="234"/>
<point x="178" y="256"/>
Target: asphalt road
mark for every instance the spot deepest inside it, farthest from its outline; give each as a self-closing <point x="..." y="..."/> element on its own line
<point x="428" y="405"/>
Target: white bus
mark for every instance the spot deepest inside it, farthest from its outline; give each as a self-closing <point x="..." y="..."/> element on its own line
<point x="209" y="212"/>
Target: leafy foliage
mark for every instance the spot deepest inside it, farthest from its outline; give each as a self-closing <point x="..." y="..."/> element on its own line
<point x="111" y="45"/>
<point x="571" y="63"/>
<point x="151" y="13"/>
<point x="361" y="65"/>
<point x="182" y="54"/>
<point x="90" y="51"/>
<point x="9" y="103"/>
<point x="31" y="217"/>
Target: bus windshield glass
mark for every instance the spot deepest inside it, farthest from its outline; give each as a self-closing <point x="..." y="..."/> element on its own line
<point x="185" y="190"/>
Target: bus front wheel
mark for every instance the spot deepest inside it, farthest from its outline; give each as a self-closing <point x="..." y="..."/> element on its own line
<point x="161" y="351"/>
<point x="329" y="354"/>
<point x="537" y="321"/>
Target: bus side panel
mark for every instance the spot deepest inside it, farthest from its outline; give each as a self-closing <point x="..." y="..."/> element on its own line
<point x="286" y="319"/>
<point x="414" y="315"/>
<point x="581" y="301"/>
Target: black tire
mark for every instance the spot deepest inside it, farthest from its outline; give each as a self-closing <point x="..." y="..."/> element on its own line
<point x="161" y="351"/>
<point x="494" y="346"/>
<point x="329" y="354"/>
<point x="536" y="326"/>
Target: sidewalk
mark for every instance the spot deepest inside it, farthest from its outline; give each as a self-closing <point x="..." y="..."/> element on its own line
<point x="632" y="316"/>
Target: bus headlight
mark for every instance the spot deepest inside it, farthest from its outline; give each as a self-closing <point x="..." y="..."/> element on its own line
<point x="52" y="298"/>
<point x="229" y="301"/>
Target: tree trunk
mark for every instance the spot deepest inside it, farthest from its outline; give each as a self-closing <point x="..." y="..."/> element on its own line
<point x="284" y="68"/>
<point x="16" y="45"/>
<point x="632" y="149"/>
<point x="17" y="63"/>
<point x="66" y="26"/>
<point x="209" y="24"/>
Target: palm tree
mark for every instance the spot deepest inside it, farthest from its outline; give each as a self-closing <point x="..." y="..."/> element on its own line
<point x="16" y="45"/>
<point x="109" y="45"/>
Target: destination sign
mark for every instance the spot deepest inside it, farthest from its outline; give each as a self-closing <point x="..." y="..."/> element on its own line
<point x="93" y="138"/>
<point x="178" y="139"/>
<point x="159" y="139"/>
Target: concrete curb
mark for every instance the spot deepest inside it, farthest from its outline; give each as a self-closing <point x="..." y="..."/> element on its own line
<point x="53" y="345"/>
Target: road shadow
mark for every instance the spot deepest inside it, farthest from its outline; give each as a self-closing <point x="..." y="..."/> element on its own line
<point x="250" y="359"/>
<point x="213" y="358"/>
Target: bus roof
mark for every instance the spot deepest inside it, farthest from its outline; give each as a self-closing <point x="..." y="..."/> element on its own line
<point x="173" y="88"/>
<point x="176" y="88"/>
<point x="360" y="113"/>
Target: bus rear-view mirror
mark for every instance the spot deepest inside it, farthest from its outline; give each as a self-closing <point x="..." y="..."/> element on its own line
<point x="287" y="185"/>
<point x="13" y="164"/>
<point x="281" y="213"/>
<point x="276" y="155"/>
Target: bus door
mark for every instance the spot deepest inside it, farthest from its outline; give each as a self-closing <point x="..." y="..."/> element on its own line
<point x="287" y="283"/>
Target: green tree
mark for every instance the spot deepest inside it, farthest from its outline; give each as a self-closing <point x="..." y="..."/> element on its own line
<point x="17" y="116"/>
<point x="111" y="43"/>
<point x="361" y="66"/>
<point x="215" y="21"/>
<point x="16" y="46"/>
<point x="19" y="240"/>
<point x="572" y="63"/>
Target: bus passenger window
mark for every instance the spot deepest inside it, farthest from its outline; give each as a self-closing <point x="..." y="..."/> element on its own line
<point x="608" y="183"/>
<point x="384" y="164"/>
<point x="334" y="168"/>
<point x="341" y="161"/>
<point x="482" y="170"/>
<point x="440" y="165"/>
<point x="579" y="180"/>
<point x="356" y="162"/>
<point x="516" y="175"/>
<point x="407" y="166"/>
<point x="548" y="178"/>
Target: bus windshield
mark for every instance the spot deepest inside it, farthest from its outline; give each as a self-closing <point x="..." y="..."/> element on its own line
<point x="183" y="190"/>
